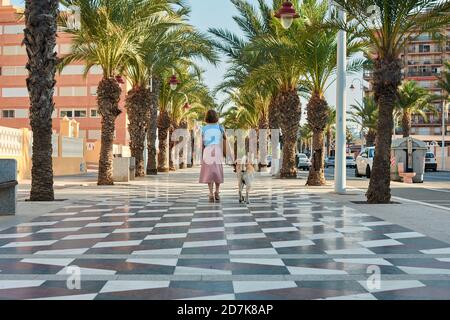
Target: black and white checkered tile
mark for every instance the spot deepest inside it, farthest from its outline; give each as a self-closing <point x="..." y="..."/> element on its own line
<point x="166" y="241"/>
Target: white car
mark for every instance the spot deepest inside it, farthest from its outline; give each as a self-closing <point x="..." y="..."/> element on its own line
<point x="303" y="161"/>
<point x="430" y="162"/>
<point x="350" y="161"/>
<point x="364" y="162"/>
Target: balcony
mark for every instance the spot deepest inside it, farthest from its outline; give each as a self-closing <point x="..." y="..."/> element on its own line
<point x="423" y="74"/>
<point x="434" y="50"/>
<point x="425" y="62"/>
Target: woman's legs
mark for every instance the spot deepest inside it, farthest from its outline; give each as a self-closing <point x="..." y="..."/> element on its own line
<point x="211" y="189"/>
<point x="217" y="188"/>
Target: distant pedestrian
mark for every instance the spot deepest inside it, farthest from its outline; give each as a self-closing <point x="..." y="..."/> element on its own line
<point x="213" y="137"/>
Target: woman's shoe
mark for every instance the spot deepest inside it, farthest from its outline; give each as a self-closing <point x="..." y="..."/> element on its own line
<point x="211" y="198"/>
<point x="216" y="196"/>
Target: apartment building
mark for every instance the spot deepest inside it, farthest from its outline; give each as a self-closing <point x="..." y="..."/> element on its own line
<point x="75" y="94"/>
<point x="423" y="61"/>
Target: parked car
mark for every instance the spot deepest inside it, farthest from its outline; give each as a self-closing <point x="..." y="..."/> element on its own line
<point x="430" y="162"/>
<point x="329" y="162"/>
<point x="350" y="162"/>
<point x="364" y="162"/>
<point x="303" y="161"/>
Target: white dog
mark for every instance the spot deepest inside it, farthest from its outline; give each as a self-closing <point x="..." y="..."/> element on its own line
<point x="245" y="173"/>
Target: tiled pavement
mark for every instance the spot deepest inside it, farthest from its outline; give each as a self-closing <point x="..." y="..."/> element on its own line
<point x="162" y="240"/>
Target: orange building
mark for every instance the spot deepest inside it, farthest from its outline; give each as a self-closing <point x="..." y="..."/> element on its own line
<point x="75" y="94"/>
<point x="423" y="62"/>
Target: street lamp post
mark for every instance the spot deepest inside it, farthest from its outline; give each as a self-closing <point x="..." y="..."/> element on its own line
<point x="340" y="170"/>
<point x="444" y="131"/>
<point x="362" y="87"/>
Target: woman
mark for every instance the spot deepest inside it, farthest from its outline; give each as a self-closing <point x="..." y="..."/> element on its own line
<point x="211" y="173"/>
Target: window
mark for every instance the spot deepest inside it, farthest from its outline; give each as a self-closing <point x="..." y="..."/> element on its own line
<point x="14" y="50"/>
<point x="14" y="92"/>
<point x="80" y="113"/>
<point x="73" y="113"/>
<point x="73" y="70"/>
<point x="66" y="113"/>
<point x="96" y="70"/>
<point x="72" y="91"/>
<point x="8" y="113"/>
<point x="14" y="71"/>
<point x="424" y="48"/>
<point x="13" y="29"/>
<point x="94" y="113"/>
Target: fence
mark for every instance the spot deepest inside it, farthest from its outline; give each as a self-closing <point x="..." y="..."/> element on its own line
<point x="437" y="152"/>
<point x="11" y="141"/>
<point x="68" y="153"/>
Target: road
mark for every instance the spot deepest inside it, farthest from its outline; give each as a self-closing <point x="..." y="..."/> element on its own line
<point x="434" y="191"/>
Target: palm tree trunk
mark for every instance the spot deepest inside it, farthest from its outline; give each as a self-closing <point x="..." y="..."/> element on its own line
<point x="263" y="125"/>
<point x="318" y="113"/>
<point x="181" y="153"/>
<point x="274" y="114"/>
<point x="289" y="102"/>
<point x="163" y="135"/>
<point x="371" y="136"/>
<point x="172" y="144"/>
<point x="387" y="78"/>
<point x="138" y="110"/>
<point x="406" y="123"/>
<point x="108" y="97"/>
<point x="40" y="41"/>
<point x="328" y="142"/>
<point x="152" y="127"/>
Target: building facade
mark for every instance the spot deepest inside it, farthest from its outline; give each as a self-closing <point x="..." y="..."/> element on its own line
<point x="75" y="94"/>
<point x="423" y="61"/>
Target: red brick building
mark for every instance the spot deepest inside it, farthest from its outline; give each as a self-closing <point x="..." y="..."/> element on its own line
<point x="75" y="95"/>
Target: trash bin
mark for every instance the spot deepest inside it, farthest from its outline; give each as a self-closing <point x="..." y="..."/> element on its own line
<point x="411" y="153"/>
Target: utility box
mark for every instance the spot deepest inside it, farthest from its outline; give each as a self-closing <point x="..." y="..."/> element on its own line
<point x="124" y="169"/>
<point x="411" y="152"/>
<point x="8" y="186"/>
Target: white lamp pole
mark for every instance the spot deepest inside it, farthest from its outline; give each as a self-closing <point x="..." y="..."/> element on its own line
<point x="444" y="131"/>
<point x="340" y="170"/>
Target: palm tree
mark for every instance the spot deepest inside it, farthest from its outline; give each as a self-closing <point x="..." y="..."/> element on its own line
<point x="444" y="84"/>
<point x="139" y="99"/>
<point x="365" y="115"/>
<point x="191" y="98"/>
<point x="305" y="134"/>
<point x="305" y="57"/>
<point x="110" y="36"/>
<point x="176" y="46"/>
<point x="40" y="40"/>
<point x="254" y="22"/>
<point x="386" y="33"/>
<point x="413" y="99"/>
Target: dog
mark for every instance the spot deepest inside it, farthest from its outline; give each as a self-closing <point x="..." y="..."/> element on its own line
<point x="245" y="173"/>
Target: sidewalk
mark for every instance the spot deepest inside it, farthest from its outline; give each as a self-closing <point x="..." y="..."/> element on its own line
<point x="159" y="238"/>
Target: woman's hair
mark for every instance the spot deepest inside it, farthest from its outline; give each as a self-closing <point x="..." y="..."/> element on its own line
<point x="211" y="117"/>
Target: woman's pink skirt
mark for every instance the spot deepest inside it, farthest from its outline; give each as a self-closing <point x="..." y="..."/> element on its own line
<point x="212" y="168"/>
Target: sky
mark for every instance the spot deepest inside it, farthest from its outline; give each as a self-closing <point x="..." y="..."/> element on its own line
<point x="218" y="14"/>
